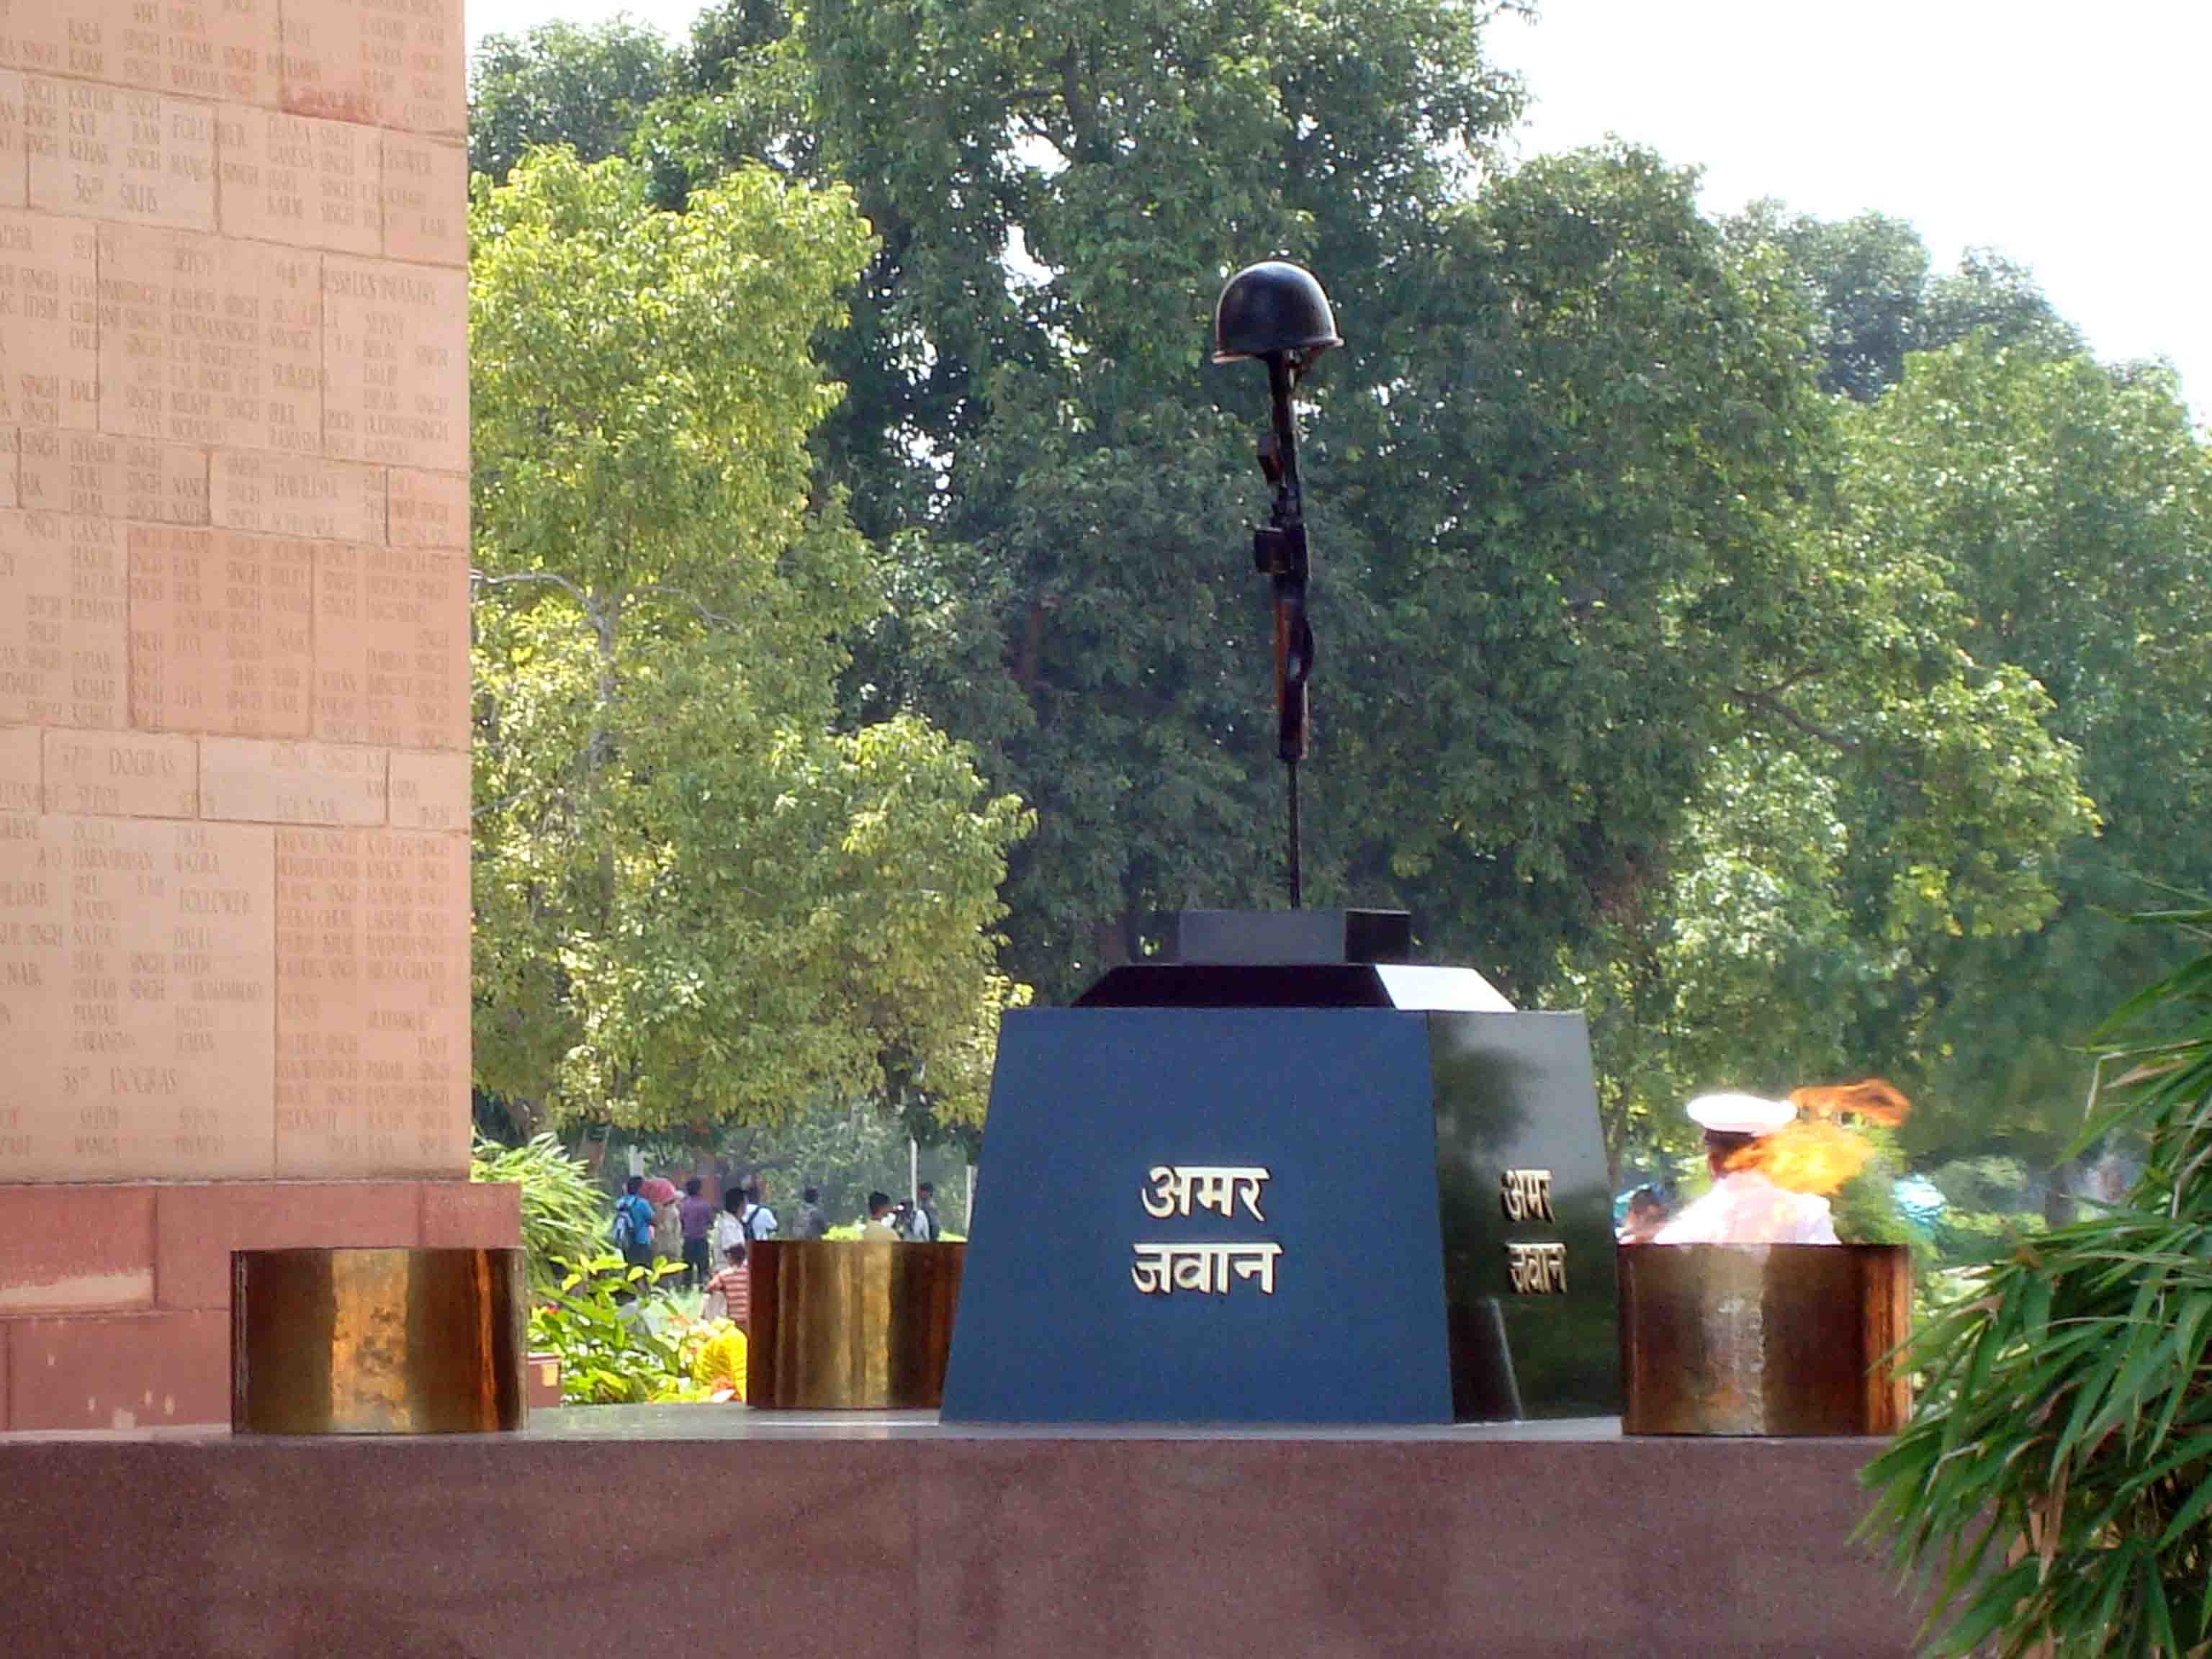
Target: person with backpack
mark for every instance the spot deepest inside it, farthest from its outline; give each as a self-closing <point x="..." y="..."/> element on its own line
<point x="813" y="1220"/>
<point x="634" y="1224"/>
<point x="759" y="1219"/>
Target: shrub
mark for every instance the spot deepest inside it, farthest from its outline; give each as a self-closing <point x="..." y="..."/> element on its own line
<point x="566" y="1218"/>
<point x="616" y="1346"/>
<point x="2057" y="1477"/>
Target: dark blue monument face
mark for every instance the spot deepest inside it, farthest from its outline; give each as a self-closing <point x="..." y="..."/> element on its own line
<point x="1080" y="1304"/>
<point x="1324" y="1211"/>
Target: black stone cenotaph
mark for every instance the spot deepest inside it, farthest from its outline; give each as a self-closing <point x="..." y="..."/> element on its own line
<point x="1279" y="1174"/>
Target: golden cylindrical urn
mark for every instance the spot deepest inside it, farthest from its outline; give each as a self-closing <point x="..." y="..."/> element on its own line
<point x="377" y="1341"/>
<point x="1763" y="1339"/>
<point x="846" y="1325"/>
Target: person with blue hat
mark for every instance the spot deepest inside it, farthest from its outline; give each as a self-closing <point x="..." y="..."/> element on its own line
<point x="1744" y="1206"/>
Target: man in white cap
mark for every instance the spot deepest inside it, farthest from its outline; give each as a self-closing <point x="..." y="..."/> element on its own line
<point x="1745" y="1207"/>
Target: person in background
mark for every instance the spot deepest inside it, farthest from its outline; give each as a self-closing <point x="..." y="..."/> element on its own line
<point x="634" y="1224"/>
<point x="1745" y="1207"/>
<point x="812" y="1221"/>
<point x="730" y="1292"/>
<point x="667" y="1231"/>
<point x="923" y="1229"/>
<point x="729" y="1224"/>
<point x="759" y="1219"/>
<point x="696" y="1215"/>
<point x="878" y="1222"/>
<point x="1647" y="1214"/>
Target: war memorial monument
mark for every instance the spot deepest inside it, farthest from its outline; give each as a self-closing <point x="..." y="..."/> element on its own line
<point x="233" y="672"/>
<point x="1201" y="1400"/>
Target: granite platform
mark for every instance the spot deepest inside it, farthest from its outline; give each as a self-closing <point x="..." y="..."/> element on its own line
<point x="707" y="1529"/>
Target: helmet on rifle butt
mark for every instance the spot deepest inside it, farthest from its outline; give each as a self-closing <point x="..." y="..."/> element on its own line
<point x="1270" y="308"/>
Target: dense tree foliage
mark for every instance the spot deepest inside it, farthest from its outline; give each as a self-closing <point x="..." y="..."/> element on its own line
<point x="1740" y="628"/>
<point x="694" y="898"/>
<point x="1875" y="296"/>
<point x="558" y="84"/>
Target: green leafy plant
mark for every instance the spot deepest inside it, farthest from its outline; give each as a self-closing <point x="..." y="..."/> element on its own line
<point x="2056" y="1479"/>
<point x="616" y="1348"/>
<point x="566" y="1218"/>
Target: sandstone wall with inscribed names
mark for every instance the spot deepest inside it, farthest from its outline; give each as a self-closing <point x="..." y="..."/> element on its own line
<point x="233" y="590"/>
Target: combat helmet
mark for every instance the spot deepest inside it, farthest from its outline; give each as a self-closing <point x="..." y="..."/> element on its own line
<point x="1273" y="308"/>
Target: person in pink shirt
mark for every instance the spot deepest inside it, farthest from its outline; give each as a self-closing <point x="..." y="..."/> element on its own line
<point x="697" y="1215"/>
<point x="1744" y="1206"/>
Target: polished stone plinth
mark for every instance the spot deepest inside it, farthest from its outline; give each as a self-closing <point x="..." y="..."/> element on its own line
<point x="865" y="1532"/>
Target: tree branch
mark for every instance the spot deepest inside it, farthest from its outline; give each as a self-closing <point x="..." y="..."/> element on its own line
<point x="550" y="578"/>
<point x="661" y="591"/>
<point x="1781" y="711"/>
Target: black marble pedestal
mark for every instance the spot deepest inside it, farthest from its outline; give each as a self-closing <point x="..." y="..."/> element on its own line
<point x="1289" y="1191"/>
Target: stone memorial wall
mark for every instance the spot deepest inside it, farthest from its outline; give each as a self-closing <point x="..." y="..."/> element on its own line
<point x="233" y="670"/>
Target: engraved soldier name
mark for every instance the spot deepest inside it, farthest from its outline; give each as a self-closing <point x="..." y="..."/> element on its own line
<point x="1203" y="1267"/>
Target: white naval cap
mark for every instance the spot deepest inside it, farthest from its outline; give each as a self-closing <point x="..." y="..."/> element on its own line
<point x="1740" y="1114"/>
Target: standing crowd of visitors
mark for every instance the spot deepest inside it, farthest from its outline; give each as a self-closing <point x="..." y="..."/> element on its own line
<point x="653" y="1223"/>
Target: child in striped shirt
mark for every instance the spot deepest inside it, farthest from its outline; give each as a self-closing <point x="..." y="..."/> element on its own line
<point x="730" y="1292"/>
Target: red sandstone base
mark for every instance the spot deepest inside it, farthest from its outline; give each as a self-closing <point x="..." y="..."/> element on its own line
<point x="545" y="1547"/>
<point x="115" y="1300"/>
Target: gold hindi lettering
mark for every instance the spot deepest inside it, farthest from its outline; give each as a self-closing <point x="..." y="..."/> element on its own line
<point x="1162" y="1269"/>
<point x="1178" y="1188"/>
<point x="1526" y="1194"/>
<point x="1537" y="1269"/>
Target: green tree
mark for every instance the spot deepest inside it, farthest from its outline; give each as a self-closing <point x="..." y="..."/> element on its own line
<point x="559" y="84"/>
<point x="2070" y="508"/>
<point x="1876" y="297"/>
<point x="1073" y="487"/>
<point x="1621" y="690"/>
<point x="696" y="899"/>
<point x="1652" y="718"/>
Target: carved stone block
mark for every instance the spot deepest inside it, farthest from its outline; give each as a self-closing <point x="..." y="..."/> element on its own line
<point x="389" y="63"/>
<point x="430" y="792"/>
<point x="392" y="645"/>
<point x="292" y="179"/>
<point x="190" y="48"/>
<point x="49" y="321"/>
<point x="20" y="765"/>
<point x="103" y="475"/>
<point x="426" y="194"/>
<point x="136" y="998"/>
<point x="297" y="495"/>
<point x="207" y="341"/>
<point x="371" y="1021"/>
<point x="221" y="632"/>
<point x="121" y="774"/>
<point x="274" y="782"/>
<point x="12" y="179"/>
<point x="396" y="363"/>
<point x="427" y="509"/>
<point x="63" y="599"/>
<point x="112" y="153"/>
